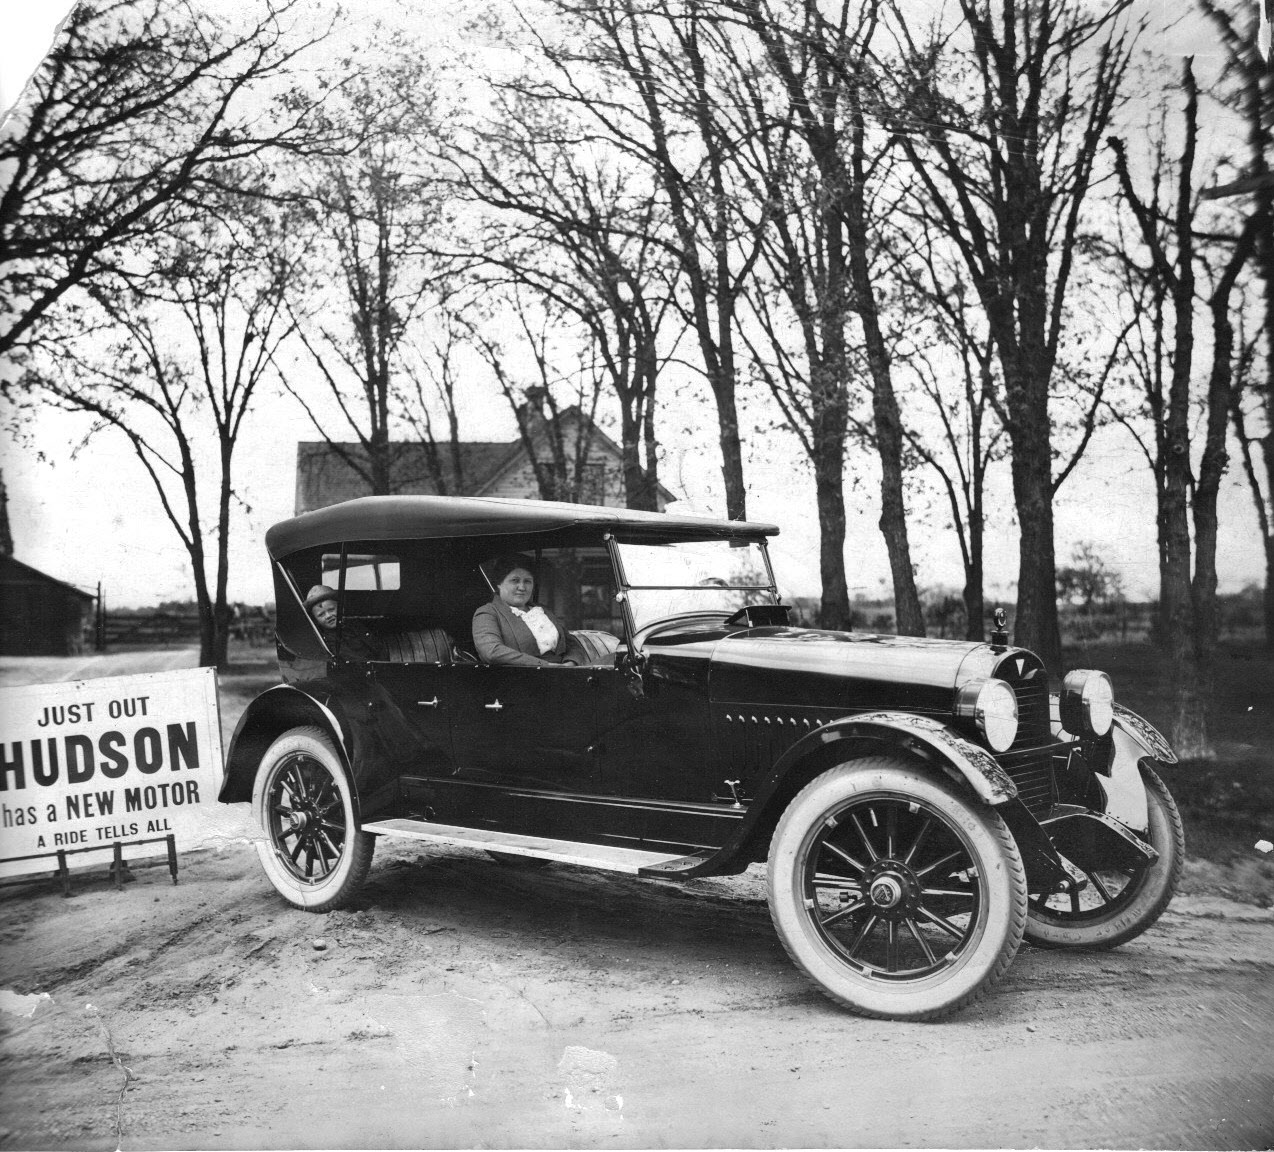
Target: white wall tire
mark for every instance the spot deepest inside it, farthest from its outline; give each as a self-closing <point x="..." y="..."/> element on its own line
<point x="311" y="848"/>
<point x="1117" y="906"/>
<point x="897" y="896"/>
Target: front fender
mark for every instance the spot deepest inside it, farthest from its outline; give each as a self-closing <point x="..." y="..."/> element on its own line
<point x="263" y="721"/>
<point x="850" y="738"/>
<point x="919" y="735"/>
<point x="1146" y="735"/>
<point x="1132" y="739"/>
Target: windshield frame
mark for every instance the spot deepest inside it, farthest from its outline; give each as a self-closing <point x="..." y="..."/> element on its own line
<point x="623" y="585"/>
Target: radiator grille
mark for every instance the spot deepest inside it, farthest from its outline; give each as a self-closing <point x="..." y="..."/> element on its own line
<point x="1030" y="759"/>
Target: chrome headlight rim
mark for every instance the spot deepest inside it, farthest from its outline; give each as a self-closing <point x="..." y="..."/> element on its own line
<point x="1087" y="704"/>
<point x="991" y="704"/>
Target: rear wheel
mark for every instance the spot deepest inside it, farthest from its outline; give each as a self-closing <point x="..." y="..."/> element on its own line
<point x="312" y="850"/>
<point x="1117" y="905"/>
<point x="896" y="895"/>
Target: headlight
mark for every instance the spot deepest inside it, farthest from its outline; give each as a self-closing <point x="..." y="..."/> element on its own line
<point x="1087" y="703"/>
<point x="993" y="706"/>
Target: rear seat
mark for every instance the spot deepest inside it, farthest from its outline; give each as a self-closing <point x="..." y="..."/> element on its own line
<point x="422" y="646"/>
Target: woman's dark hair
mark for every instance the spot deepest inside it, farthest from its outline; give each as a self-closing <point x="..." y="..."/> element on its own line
<point x="501" y="566"/>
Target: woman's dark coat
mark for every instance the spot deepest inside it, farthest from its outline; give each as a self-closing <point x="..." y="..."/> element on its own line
<point x="501" y="638"/>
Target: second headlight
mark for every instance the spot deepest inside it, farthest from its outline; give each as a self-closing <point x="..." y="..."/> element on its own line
<point x="1087" y="703"/>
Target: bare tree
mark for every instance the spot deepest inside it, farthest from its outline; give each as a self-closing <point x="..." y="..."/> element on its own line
<point x="971" y="437"/>
<point x="434" y="376"/>
<point x="580" y="229"/>
<point x="1168" y="233"/>
<point x="806" y="147"/>
<point x="1002" y="124"/>
<point x="1252" y="95"/>
<point x="190" y="347"/>
<point x="641" y="76"/>
<point x="135" y="119"/>
<point x="372" y="214"/>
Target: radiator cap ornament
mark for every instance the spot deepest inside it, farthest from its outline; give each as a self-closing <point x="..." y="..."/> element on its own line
<point x="1000" y="637"/>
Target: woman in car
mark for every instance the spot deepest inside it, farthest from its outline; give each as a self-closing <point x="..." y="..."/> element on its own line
<point x="512" y="630"/>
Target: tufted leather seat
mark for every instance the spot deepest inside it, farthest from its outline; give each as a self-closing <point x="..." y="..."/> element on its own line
<point x="423" y="646"/>
<point x="591" y="647"/>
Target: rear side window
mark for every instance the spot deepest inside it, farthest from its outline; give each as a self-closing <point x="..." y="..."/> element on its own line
<point x="364" y="572"/>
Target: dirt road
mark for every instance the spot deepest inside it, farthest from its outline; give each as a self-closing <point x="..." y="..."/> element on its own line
<point x="470" y="1004"/>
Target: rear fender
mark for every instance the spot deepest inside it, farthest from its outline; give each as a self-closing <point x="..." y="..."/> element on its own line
<point x="271" y="714"/>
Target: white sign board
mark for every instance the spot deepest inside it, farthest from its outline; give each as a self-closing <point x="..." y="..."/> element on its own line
<point x="87" y="763"/>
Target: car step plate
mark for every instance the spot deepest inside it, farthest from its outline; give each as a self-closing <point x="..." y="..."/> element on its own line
<point x="606" y="856"/>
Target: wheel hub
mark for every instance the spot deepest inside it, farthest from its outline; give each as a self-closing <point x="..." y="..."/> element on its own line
<point x="891" y="887"/>
<point x="886" y="892"/>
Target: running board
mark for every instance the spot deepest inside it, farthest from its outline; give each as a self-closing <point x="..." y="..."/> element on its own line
<point x="607" y="856"/>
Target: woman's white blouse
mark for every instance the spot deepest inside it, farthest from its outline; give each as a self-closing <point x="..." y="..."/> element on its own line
<point x="541" y="626"/>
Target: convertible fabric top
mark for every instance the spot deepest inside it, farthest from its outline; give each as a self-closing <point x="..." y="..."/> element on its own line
<point x="375" y="518"/>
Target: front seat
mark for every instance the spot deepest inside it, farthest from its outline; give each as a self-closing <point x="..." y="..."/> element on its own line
<point x="591" y="647"/>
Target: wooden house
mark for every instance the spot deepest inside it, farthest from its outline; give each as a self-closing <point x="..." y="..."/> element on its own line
<point x="327" y="474"/>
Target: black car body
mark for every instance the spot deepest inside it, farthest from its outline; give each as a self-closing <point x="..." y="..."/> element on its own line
<point x="922" y="804"/>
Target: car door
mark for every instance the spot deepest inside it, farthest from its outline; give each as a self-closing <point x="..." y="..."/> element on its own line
<point x="413" y="711"/>
<point x="660" y="772"/>
<point x="525" y="727"/>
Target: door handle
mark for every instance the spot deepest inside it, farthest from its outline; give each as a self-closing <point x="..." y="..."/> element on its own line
<point x="428" y="703"/>
<point x="494" y="707"/>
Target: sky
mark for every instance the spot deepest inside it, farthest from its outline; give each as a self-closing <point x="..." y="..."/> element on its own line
<point x="84" y="512"/>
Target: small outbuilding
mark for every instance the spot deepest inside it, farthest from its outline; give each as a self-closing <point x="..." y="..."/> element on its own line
<point x="40" y="615"/>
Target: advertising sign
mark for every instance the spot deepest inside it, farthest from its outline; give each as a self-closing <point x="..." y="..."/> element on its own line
<point x="87" y="763"/>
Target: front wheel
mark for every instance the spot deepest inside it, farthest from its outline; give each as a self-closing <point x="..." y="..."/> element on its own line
<point x="313" y="850"/>
<point x="1117" y="904"/>
<point x="896" y="895"/>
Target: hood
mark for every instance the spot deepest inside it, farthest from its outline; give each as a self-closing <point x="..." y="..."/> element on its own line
<point x="817" y="667"/>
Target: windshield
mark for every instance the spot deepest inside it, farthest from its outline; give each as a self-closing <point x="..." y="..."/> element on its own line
<point x="701" y="576"/>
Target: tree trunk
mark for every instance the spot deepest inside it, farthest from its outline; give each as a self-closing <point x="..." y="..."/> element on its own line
<point x="908" y="615"/>
<point x="829" y="487"/>
<point x="637" y="493"/>
<point x="651" y="447"/>
<point x="1214" y="460"/>
<point x="974" y="602"/>
<point x="723" y="391"/>
<point x="1189" y="725"/>
<point x="1035" y="624"/>
<point x="220" y="609"/>
<point x="1269" y="595"/>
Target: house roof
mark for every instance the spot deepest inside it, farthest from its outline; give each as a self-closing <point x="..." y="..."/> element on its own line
<point x="15" y="572"/>
<point x="378" y="518"/>
<point x="324" y="475"/>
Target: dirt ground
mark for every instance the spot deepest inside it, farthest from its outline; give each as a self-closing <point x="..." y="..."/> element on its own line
<point x="465" y="1003"/>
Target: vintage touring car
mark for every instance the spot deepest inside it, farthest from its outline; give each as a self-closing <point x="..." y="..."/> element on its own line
<point x="922" y="805"/>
